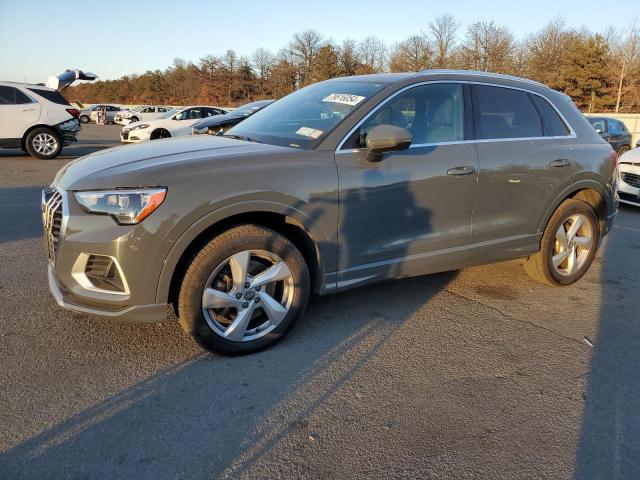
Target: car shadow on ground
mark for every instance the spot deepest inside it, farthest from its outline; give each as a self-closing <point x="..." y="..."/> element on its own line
<point x="194" y="410"/>
<point x="20" y="213"/>
<point x="609" y="444"/>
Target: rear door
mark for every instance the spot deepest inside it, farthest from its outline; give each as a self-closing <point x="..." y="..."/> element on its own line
<point x="523" y="162"/>
<point x="17" y="113"/>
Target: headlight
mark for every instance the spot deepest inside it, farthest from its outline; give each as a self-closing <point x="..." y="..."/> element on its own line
<point x="138" y="127"/>
<point x="127" y="207"/>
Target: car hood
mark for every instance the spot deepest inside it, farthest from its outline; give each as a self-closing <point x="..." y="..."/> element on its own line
<point x="131" y="162"/>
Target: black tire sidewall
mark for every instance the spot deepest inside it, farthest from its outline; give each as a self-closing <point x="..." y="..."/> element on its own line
<point x="564" y="212"/>
<point x="191" y="316"/>
<point x="33" y="152"/>
<point x="84" y="119"/>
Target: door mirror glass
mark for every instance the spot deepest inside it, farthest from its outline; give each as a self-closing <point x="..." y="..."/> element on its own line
<point x="179" y="116"/>
<point x="386" y="138"/>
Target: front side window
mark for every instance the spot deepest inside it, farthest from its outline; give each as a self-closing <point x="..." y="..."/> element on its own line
<point x="432" y="113"/>
<point x="190" y="114"/>
<point x="305" y="117"/>
<point x="504" y="113"/>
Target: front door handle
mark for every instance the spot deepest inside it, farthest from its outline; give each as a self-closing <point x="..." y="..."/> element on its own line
<point x="463" y="170"/>
<point x="27" y="109"/>
<point x="560" y="163"/>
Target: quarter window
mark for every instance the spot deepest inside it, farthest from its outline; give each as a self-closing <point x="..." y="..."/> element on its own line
<point x="12" y="96"/>
<point x="552" y="123"/>
<point x="432" y="113"/>
<point x="504" y="113"/>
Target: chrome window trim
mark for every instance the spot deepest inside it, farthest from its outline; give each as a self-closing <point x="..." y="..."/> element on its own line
<point x="572" y="133"/>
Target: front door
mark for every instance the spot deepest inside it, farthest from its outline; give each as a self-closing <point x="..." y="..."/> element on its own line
<point x="398" y="216"/>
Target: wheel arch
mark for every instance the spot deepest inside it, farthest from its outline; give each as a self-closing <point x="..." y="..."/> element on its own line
<point x="23" y="140"/>
<point x="274" y="217"/>
<point x="588" y="191"/>
<point x="159" y="129"/>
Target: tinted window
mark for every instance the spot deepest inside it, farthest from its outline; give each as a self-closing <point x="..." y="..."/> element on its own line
<point x="7" y="95"/>
<point x="504" y="113"/>
<point x="432" y="113"/>
<point x="598" y="123"/>
<point x="551" y="121"/>
<point x="51" y="95"/>
<point x="190" y="114"/>
<point x="616" y="127"/>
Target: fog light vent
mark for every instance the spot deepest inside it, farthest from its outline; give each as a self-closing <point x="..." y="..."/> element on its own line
<point x="103" y="273"/>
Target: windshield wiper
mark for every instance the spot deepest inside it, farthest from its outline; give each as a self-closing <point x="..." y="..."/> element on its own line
<point x="240" y="137"/>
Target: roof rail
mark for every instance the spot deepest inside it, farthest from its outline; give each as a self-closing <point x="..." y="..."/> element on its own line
<point x="478" y="73"/>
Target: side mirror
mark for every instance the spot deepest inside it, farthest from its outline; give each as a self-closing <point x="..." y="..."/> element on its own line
<point x="178" y="116"/>
<point x="386" y="138"/>
<point x="599" y="130"/>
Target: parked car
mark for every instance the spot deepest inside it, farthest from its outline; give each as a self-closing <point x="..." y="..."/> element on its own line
<point x="175" y="123"/>
<point x="38" y="119"/>
<point x="141" y="112"/>
<point x="110" y="113"/>
<point x="221" y="123"/>
<point x="628" y="185"/>
<point x="340" y="184"/>
<point x="613" y="131"/>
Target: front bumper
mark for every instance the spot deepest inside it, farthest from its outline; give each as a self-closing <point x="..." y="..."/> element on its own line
<point x="73" y="237"/>
<point x="135" y="136"/>
<point x="628" y="184"/>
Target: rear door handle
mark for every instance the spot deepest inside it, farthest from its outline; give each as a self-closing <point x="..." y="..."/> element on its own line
<point x="463" y="170"/>
<point x="560" y="163"/>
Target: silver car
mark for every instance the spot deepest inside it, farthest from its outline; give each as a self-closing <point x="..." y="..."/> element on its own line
<point x="340" y="184"/>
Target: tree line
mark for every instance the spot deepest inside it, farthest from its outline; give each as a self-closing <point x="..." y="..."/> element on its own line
<point x="600" y="71"/>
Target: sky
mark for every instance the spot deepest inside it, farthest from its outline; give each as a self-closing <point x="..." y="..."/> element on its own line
<point x="114" y="38"/>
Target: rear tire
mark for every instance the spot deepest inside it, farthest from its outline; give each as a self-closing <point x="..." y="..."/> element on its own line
<point x="43" y="143"/>
<point x="568" y="246"/>
<point x="243" y="291"/>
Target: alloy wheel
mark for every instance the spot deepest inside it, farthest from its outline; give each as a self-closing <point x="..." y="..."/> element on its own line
<point x="573" y="244"/>
<point x="45" y="143"/>
<point x="248" y="295"/>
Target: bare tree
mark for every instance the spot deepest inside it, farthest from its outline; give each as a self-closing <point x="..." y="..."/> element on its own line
<point x="442" y="37"/>
<point x="547" y="51"/>
<point x="263" y="62"/>
<point x="348" y="57"/>
<point x="488" y="47"/>
<point x="412" y="55"/>
<point x="305" y="46"/>
<point x="626" y="57"/>
<point x="373" y="55"/>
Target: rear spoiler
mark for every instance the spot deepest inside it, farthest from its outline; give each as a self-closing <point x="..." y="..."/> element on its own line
<point x="67" y="77"/>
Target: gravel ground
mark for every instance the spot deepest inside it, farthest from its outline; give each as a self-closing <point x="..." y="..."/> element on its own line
<point x="477" y="373"/>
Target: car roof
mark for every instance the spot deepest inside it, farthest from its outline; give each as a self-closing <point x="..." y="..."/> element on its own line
<point x="27" y="85"/>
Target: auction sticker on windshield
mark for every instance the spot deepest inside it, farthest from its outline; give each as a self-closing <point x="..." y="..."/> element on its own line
<point x="344" y="98"/>
<point x="309" y="132"/>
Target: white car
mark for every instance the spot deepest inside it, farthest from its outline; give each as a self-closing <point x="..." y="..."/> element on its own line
<point x="141" y="112"/>
<point x="628" y="184"/>
<point x="38" y="119"/>
<point x="175" y="123"/>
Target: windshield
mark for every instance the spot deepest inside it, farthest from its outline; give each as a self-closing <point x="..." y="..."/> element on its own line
<point x="170" y="113"/>
<point x="305" y="117"/>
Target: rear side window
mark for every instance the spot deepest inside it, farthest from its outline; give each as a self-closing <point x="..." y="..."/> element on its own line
<point x="616" y="127"/>
<point x="504" y="113"/>
<point x="12" y="96"/>
<point x="552" y="123"/>
<point x="51" y="95"/>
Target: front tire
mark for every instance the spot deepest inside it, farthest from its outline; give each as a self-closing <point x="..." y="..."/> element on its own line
<point x="624" y="149"/>
<point x="568" y="246"/>
<point x="43" y="143"/>
<point x="84" y="118"/>
<point x="243" y="291"/>
<point x="159" y="133"/>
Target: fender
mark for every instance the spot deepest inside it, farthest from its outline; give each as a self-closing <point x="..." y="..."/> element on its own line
<point x="569" y="191"/>
<point x="323" y="247"/>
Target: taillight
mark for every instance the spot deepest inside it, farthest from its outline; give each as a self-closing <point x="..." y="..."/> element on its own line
<point x="74" y="112"/>
<point x="613" y="156"/>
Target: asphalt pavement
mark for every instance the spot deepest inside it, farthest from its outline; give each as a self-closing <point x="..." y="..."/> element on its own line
<point x="477" y="373"/>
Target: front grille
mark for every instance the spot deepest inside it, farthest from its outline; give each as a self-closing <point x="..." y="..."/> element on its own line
<point x="631" y="179"/>
<point x="51" y="220"/>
